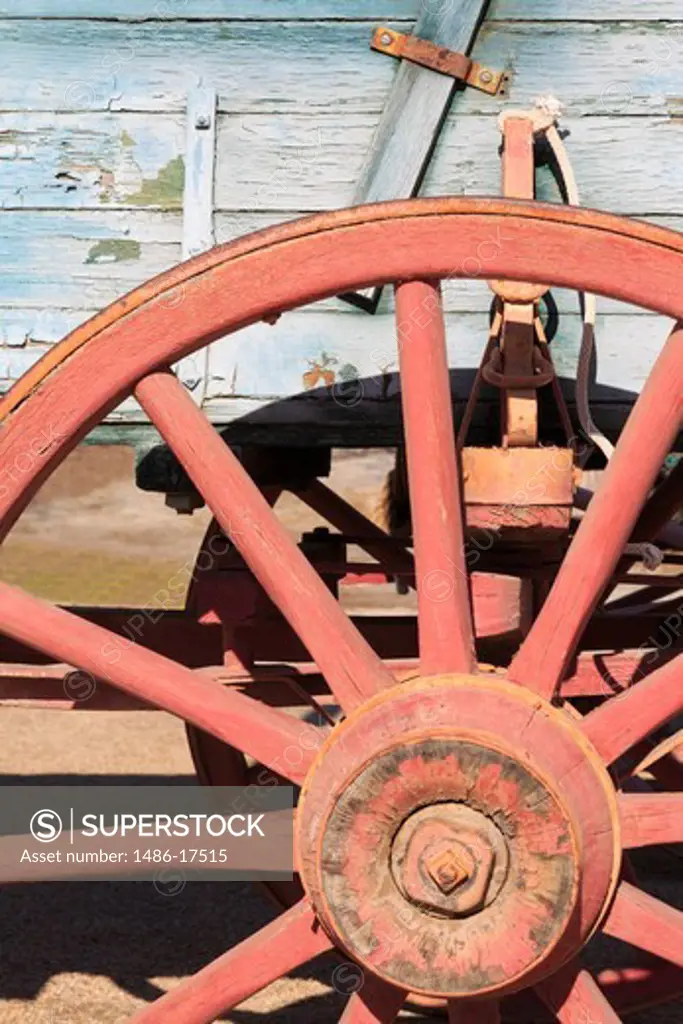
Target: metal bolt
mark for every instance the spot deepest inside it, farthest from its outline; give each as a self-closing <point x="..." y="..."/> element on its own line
<point x="450" y="859"/>
<point x="447" y="871"/>
<point x="202" y="121"/>
<point x="485" y="77"/>
<point x="184" y="504"/>
<point x="386" y="38"/>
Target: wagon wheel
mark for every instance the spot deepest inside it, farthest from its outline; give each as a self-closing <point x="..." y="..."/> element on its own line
<point x="419" y="775"/>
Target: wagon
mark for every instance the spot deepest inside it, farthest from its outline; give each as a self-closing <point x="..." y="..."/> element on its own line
<point x="474" y="772"/>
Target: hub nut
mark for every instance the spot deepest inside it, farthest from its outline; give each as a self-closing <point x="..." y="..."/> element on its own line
<point x="449" y="859"/>
<point x="448" y="869"/>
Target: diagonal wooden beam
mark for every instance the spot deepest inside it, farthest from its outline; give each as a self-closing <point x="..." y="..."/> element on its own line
<point x="414" y="114"/>
<point x="417" y="106"/>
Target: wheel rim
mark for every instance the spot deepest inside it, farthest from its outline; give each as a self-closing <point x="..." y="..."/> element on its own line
<point x="128" y="347"/>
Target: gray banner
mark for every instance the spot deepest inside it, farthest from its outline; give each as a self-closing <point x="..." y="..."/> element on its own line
<point x="166" y="834"/>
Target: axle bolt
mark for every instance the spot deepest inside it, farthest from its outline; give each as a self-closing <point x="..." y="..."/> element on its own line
<point x="449" y="859"/>
<point x="447" y="870"/>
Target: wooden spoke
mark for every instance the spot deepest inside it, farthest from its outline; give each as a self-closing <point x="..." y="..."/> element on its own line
<point x="376" y="1002"/>
<point x="622" y="721"/>
<point x="352" y="669"/>
<point x="446" y="635"/>
<point x="291" y="940"/>
<point x="607" y="525"/>
<point x="461" y="1012"/>
<point x="272" y="737"/>
<point x="647" y="923"/>
<point x="575" y="998"/>
<point x="648" y="819"/>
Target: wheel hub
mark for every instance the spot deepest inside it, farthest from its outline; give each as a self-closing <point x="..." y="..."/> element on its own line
<point x="458" y="837"/>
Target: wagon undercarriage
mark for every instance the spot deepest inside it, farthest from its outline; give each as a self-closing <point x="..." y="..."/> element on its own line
<point x="467" y="810"/>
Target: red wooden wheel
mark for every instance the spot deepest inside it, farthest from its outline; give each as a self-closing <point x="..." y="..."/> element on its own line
<point x="462" y="808"/>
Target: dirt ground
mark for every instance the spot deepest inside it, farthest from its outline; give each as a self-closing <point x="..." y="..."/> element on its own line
<point x="93" y="953"/>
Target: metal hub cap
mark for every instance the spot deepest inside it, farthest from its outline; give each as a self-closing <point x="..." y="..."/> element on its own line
<point x="421" y="857"/>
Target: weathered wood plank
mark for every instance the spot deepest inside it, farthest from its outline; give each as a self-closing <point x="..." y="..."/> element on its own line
<point x="303" y="163"/>
<point x="168" y="10"/>
<point x="14" y="362"/>
<point x="294" y="140"/>
<point x="77" y="261"/>
<point x="104" y="66"/>
<point x="588" y="10"/>
<point x="313" y="163"/>
<point x="268" y="362"/>
<point x="417" y="105"/>
<point x="300" y="10"/>
<point x="24" y="327"/>
<point x="594" y="68"/>
<point x="70" y="161"/>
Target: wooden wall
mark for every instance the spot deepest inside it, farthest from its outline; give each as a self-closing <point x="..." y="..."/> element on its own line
<point x="92" y="136"/>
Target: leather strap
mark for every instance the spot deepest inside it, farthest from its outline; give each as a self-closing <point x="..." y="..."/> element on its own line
<point x="569" y="188"/>
<point x="542" y="120"/>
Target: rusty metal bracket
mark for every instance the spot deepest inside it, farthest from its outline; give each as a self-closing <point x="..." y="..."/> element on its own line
<point x="413" y="116"/>
<point x="439" y="58"/>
